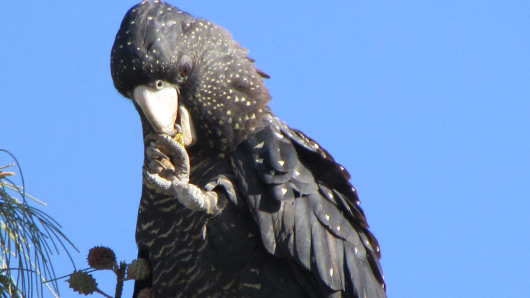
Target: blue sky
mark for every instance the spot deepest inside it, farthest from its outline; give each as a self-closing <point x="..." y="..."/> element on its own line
<point x="426" y="103"/>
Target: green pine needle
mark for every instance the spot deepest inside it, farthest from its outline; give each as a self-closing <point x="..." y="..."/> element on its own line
<point x="28" y="237"/>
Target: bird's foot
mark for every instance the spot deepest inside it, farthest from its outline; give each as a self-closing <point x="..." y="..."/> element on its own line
<point x="167" y="171"/>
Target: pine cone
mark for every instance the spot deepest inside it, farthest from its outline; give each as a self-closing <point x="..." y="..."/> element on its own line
<point x="82" y="282"/>
<point x="138" y="269"/>
<point x="100" y="257"/>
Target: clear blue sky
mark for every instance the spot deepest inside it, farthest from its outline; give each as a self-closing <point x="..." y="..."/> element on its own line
<point x="426" y="103"/>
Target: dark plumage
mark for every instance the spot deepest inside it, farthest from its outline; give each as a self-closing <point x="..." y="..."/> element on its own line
<point x="224" y="89"/>
<point x="286" y="221"/>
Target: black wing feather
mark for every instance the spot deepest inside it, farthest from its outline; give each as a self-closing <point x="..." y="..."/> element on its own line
<point x="322" y="257"/>
<point x="303" y="216"/>
<point x="288" y="224"/>
<point x="308" y="211"/>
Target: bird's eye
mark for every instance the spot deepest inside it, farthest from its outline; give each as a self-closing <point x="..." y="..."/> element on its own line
<point x="159" y="84"/>
<point x="185" y="70"/>
<point x="185" y="66"/>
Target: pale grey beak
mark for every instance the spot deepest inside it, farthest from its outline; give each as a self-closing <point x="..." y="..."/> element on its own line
<point x="160" y="107"/>
<point x="187" y="129"/>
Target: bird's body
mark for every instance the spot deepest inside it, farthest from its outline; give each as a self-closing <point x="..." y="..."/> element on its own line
<point x="245" y="206"/>
<point x="216" y="256"/>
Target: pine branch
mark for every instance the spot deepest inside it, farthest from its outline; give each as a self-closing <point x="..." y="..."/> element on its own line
<point x="28" y="238"/>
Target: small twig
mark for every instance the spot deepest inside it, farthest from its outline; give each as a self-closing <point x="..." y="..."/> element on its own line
<point x="102" y="293"/>
<point x="7" y="166"/>
<point x="120" y="277"/>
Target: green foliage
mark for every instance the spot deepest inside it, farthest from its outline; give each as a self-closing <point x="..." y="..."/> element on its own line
<point x="103" y="258"/>
<point x="28" y="237"/>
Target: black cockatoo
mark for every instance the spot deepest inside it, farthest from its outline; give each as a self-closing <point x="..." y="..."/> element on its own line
<point x="234" y="203"/>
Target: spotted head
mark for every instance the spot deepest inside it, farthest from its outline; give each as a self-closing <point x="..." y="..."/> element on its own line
<point x="187" y="71"/>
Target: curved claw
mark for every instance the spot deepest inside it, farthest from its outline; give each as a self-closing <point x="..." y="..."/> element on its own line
<point x="154" y="152"/>
<point x="155" y="166"/>
<point x="158" y="162"/>
<point x="167" y="171"/>
<point x="164" y="146"/>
